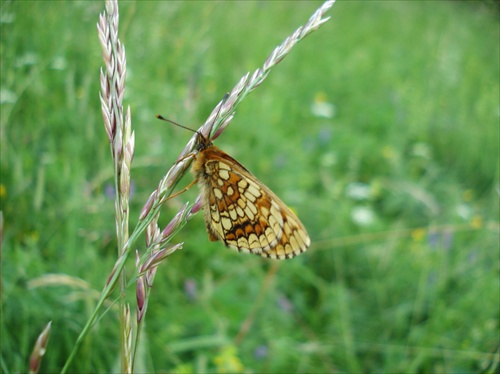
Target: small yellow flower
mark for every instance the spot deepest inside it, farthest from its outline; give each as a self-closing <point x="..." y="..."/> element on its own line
<point x="468" y="195"/>
<point x="476" y="222"/>
<point x="320" y="97"/>
<point x="418" y="234"/>
<point x="388" y="152"/>
<point x="228" y="362"/>
<point x="3" y="191"/>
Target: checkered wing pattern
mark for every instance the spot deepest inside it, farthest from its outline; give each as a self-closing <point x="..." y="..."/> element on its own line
<point x="242" y="212"/>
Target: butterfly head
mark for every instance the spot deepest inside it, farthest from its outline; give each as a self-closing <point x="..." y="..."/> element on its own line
<point x="203" y="142"/>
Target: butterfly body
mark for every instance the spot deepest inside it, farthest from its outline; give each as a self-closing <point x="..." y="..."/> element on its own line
<point x="241" y="211"/>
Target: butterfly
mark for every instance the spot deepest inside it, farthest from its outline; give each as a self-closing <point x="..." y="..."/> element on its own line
<point x="240" y="210"/>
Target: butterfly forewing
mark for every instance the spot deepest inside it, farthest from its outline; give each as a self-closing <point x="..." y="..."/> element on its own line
<point x="241" y="211"/>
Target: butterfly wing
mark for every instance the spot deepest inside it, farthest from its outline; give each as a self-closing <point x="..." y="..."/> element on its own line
<point x="243" y="213"/>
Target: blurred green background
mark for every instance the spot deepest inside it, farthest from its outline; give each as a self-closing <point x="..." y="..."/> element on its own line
<point x="380" y="130"/>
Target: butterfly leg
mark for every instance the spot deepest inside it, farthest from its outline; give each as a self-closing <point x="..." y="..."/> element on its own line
<point x="183" y="190"/>
<point x="189" y="155"/>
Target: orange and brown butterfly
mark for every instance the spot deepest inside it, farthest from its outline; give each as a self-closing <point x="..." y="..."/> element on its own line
<point x="240" y="210"/>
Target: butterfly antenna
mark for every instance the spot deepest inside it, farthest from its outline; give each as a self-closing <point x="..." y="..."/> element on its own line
<point x="159" y="116"/>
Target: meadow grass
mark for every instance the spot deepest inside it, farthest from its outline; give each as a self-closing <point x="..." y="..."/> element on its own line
<point x="398" y="187"/>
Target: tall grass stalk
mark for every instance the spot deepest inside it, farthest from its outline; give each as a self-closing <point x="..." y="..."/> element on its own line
<point x="121" y="137"/>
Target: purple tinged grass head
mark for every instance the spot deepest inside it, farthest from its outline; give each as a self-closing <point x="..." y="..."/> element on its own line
<point x="157" y="257"/>
<point x="150" y="276"/>
<point x="140" y="294"/>
<point x="39" y="349"/>
<point x="152" y="233"/>
<point x="198" y="205"/>
<point x="113" y="77"/>
<point x="149" y="204"/>
<point x="175" y="222"/>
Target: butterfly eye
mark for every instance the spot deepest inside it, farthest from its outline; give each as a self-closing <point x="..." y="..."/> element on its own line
<point x="200" y="147"/>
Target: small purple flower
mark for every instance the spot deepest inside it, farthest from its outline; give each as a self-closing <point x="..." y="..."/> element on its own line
<point x="447" y="239"/>
<point x="109" y="191"/>
<point x="285" y="304"/>
<point x="261" y="352"/>
<point x="433" y="239"/>
<point x="324" y="135"/>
